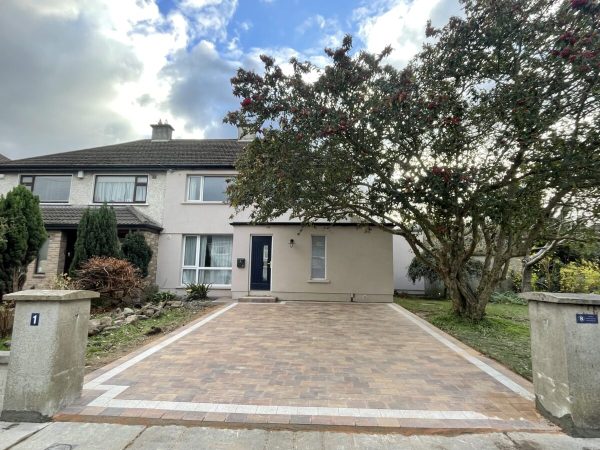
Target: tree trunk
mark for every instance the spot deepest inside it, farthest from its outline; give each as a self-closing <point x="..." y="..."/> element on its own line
<point x="465" y="303"/>
<point x="526" y="274"/>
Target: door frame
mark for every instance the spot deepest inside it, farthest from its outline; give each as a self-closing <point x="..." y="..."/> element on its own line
<point x="250" y="265"/>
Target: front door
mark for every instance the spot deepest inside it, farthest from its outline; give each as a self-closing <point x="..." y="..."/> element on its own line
<point x="260" y="264"/>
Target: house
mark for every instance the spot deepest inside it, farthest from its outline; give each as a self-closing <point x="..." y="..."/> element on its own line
<point x="173" y="191"/>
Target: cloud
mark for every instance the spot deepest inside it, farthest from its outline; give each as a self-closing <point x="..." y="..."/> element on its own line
<point x="401" y="24"/>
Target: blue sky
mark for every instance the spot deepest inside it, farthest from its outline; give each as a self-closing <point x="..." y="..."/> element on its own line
<point x="83" y="73"/>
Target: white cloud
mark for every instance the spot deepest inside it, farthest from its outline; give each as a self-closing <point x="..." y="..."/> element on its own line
<point x="401" y="24"/>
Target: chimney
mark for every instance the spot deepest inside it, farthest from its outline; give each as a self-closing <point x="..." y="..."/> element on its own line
<point x="161" y="131"/>
<point x="244" y="137"/>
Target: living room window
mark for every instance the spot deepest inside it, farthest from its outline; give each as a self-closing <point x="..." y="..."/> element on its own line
<point x="317" y="264"/>
<point x="208" y="189"/>
<point x="121" y="189"/>
<point x="207" y="259"/>
<point x="49" y="188"/>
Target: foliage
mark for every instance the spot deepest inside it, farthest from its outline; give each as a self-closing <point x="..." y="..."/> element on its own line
<point x="149" y="291"/>
<point x="22" y="234"/>
<point x="137" y="251"/>
<point x="111" y="277"/>
<point x="418" y="270"/>
<point x="63" y="282"/>
<point x="476" y="144"/>
<point x="516" y="279"/>
<point x="507" y="298"/>
<point x="7" y="316"/>
<point x="197" y="291"/>
<point x="96" y="236"/>
<point x="164" y="296"/>
<point x="581" y="277"/>
<point x="503" y="335"/>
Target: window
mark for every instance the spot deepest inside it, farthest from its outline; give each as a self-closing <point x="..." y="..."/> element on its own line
<point x="207" y="259"/>
<point x="121" y="189"/>
<point x="207" y="189"/>
<point x="317" y="264"/>
<point x="49" y="188"/>
<point x="42" y="257"/>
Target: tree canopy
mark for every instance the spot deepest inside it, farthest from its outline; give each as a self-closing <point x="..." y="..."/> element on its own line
<point x="471" y="149"/>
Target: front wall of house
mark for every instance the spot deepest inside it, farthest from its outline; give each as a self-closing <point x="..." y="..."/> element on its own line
<point x="358" y="263"/>
<point x="181" y="218"/>
<point x="53" y="265"/>
<point x="82" y="189"/>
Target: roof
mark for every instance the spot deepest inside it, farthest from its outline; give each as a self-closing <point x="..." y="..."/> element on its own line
<point x="142" y="154"/>
<point x="68" y="217"/>
<point x="3" y="158"/>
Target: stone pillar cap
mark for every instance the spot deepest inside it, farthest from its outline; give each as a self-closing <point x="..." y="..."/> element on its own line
<point x="51" y="295"/>
<point x="562" y="297"/>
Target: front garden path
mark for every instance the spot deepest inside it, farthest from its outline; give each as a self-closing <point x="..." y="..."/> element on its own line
<point x="310" y="364"/>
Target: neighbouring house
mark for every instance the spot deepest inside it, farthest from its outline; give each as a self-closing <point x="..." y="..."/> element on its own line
<point x="173" y="191"/>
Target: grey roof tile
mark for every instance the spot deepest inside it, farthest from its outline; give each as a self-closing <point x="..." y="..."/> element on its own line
<point x="188" y="153"/>
<point x="69" y="217"/>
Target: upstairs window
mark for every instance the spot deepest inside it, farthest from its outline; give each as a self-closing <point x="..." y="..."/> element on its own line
<point x="207" y="189"/>
<point x="121" y="189"/>
<point x="49" y="188"/>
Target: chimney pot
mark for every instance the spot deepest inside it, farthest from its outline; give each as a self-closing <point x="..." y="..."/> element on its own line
<point x="161" y="131"/>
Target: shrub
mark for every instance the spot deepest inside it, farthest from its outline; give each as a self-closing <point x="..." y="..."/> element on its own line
<point x="164" y="296"/>
<point x="63" y="282"/>
<point x="111" y="277"/>
<point x="580" y="277"/>
<point x="507" y="297"/>
<point x="149" y="291"/>
<point x="7" y="315"/>
<point x="96" y="236"/>
<point x="22" y="234"/>
<point x="137" y="251"/>
<point x="197" y="291"/>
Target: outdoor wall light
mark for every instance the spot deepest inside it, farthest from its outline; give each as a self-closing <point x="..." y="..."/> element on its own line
<point x="291" y="243"/>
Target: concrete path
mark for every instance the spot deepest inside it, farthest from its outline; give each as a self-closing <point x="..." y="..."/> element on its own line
<point x="305" y="365"/>
<point x="102" y="436"/>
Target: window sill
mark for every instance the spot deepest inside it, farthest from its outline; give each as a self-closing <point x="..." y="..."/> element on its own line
<point x="203" y="203"/>
<point x="319" y="281"/>
<point x="119" y="204"/>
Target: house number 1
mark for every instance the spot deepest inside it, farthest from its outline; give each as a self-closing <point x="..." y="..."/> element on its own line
<point x="35" y="319"/>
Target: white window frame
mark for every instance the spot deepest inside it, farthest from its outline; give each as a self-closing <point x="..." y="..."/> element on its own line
<point x="324" y="258"/>
<point x="201" y="200"/>
<point x="197" y="260"/>
<point x="37" y="175"/>
<point x="134" y="175"/>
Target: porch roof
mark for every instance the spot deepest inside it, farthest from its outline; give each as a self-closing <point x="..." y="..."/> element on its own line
<point x="66" y="217"/>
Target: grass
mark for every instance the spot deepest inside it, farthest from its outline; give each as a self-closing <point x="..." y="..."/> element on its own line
<point x="503" y="335"/>
<point x="104" y="347"/>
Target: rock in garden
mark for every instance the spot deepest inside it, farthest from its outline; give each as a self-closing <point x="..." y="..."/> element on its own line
<point x="112" y="328"/>
<point x="105" y="321"/>
<point x="94" y="327"/>
<point x="175" y="304"/>
<point x="127" y="311"/>
<point x="131" y="319"/>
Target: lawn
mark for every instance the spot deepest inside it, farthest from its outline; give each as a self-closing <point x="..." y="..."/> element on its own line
<point x="503" y="335"/>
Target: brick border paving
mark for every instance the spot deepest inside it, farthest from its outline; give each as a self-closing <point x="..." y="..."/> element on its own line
<point x="108" y="406"/>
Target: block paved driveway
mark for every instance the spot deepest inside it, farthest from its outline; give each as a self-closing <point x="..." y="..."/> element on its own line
<point x="307" y="364"/>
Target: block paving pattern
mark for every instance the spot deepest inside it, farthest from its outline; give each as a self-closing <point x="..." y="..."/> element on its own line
<point x="313" y="364"/>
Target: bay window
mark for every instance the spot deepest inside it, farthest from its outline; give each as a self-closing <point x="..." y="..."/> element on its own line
<point x="121" y="189"/>
<point x="207" y="189"/>
<point x="207" y="259"/>
<point x="49" y="188"/>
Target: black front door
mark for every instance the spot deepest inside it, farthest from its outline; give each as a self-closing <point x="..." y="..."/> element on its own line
<point x="260" y="265"/>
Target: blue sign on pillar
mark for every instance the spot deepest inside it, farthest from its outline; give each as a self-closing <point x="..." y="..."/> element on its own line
<point x="587" y="318"/>
<point x="35" y="319"/>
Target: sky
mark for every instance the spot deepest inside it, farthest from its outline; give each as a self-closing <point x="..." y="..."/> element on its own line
<point x="84" y="73"/>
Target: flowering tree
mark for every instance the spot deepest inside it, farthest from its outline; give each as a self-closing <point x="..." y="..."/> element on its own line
<point x="476" y="145"/>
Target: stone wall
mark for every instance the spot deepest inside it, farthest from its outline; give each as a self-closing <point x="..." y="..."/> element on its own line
<point x="54" y="264"/>
<point x="152" y="240"/>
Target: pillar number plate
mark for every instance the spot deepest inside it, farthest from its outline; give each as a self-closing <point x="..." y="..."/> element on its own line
<point x="587" y="318"/>
<point x="35" y="319"/>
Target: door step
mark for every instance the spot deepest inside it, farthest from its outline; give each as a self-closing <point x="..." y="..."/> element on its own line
<point x="257" y="299"/>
